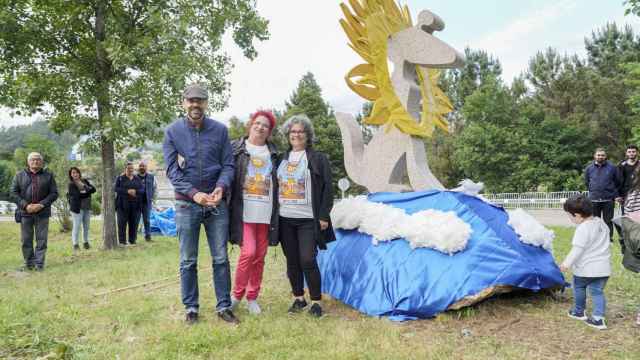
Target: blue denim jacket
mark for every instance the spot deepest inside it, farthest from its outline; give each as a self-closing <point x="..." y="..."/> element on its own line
<point x="198" y="160"/>
<point x="602" y="181"/>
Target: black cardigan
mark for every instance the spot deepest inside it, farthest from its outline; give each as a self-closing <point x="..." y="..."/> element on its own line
<point x="322" y="195"/>
<point x="74" y="195"/>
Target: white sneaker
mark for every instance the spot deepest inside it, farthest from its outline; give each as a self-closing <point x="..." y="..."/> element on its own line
<point x="253" y="307"/>
<point x="234" y="303"/>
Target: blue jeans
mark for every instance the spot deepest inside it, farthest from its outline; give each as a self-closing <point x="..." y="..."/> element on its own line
<point x="189" y="216"/>
<point x="596" y="289"/>
<point x="145" y="212"/>
<point x="80" y="219"/>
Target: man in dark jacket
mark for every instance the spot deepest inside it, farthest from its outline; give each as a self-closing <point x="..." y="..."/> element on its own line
<point x="627" y="170"/>
<point x="147" y="194"/>
<point x="200" y="165"/>
<point x="603" y="181"/>
<point x="33" y="190"/>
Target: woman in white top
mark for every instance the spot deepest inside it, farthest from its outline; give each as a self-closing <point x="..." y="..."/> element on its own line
<point x="253" y="209"/>
<point x="305" y="194"/>
<point x="589" y="260"/>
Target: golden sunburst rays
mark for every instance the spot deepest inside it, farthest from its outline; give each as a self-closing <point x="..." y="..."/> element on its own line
<point x="368" y="24"/>
<point x="435" y="104"/>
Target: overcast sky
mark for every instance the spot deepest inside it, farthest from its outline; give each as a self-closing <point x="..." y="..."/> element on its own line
<point x="306" y="36"/>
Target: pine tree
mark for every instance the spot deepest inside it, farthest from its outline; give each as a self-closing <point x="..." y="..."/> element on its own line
<point x="307" y="99"/>
<point x="236" y="128"/>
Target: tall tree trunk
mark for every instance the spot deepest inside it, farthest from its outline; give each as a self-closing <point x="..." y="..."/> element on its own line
<point x="108" y="200"/>
<point x="103" y="100"/>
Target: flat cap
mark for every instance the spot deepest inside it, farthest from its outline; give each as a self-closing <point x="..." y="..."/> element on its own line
<point x="195" y="91"/>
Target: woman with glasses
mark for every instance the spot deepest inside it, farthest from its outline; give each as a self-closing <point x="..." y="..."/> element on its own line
<point x="79" y="196"/>
<point x="305" y="196"/>
<point x="253" y="210"/>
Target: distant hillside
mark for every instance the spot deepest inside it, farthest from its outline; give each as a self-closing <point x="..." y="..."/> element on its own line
<point x="12" y="138"/>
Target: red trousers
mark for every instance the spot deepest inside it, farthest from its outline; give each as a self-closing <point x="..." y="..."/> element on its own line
<point x="251" y="261"/>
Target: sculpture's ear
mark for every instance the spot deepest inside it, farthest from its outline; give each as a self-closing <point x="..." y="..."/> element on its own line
<point x="421" y="48"/>
<point x="430" y="22"/>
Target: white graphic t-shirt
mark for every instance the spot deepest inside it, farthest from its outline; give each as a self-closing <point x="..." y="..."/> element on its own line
<point x="257" y="189"/>
<point x="294" y="187"/>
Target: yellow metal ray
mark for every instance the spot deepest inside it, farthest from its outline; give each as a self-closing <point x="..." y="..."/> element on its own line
<point x="363" y="86"/>
<point x="368" y="25"/>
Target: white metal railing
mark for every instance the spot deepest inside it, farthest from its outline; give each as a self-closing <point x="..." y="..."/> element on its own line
<point x="532" y="200"/>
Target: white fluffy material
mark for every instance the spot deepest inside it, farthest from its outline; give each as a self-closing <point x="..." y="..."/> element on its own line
<point x="467" y="186"/>
<point x="530" y="230"/>
<point x="442" y="231"/>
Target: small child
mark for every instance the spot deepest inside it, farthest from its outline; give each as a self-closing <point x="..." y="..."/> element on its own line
<point x="589" y="259"/>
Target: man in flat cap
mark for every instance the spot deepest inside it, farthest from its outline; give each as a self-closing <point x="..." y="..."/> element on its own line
<point x="200" y="167"/>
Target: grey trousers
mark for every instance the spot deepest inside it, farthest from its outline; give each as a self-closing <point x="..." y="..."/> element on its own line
<point x="39" y="225"/>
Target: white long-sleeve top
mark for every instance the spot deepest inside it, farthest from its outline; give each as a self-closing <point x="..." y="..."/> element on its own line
<point x="590" y="254"/>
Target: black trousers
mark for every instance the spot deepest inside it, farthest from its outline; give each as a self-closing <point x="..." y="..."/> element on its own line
<point x="128" y="216"/>
<point x="300" y="249"/>
<point x="604" y="210"/>
<point x="40" y="226"/>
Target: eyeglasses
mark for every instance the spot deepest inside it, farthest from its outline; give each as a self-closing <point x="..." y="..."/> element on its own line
<point x="297" y="132"/>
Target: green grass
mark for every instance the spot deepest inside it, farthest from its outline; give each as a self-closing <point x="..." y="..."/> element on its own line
<point x="55" y="314"/>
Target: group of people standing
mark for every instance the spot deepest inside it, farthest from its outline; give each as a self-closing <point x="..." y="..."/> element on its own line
<point x="608" y="184"/>
<point x="134" y="200"/>
<point x="34" y="189"/>
<point x="250" y="194"/>
<point x="590" y="254"/>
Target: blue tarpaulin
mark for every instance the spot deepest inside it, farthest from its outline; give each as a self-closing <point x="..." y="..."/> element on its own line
<point x="391" y="279"/>
<point x="163" y="222"/>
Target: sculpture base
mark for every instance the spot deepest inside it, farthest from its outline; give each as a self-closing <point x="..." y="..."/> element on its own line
<point x="391" y="279"/>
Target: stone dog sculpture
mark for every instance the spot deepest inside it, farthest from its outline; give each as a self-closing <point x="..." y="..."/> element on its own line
<point x="408" y="103"/>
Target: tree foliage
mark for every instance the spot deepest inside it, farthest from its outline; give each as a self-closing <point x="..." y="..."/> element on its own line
<point x="307" y="99"/>
<point x="36" y="143"/>
<point x="236" y="128"/>
<point x="7" y="171"/>
<point x="13" y="137"/>
<point x="114" y="69"/>
<point x="540" y="132"/>
<point x="478" y="68"/>
<point x="151" y="49"/>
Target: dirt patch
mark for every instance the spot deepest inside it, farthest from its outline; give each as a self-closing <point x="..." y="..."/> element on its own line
<point x="536" y="323"/>
<point x="16" y="274"/>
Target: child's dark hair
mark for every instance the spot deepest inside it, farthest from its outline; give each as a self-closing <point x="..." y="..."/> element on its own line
<point x="578" y="204"/>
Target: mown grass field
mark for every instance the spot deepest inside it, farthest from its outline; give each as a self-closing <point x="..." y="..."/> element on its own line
<point x="54" y="314"/>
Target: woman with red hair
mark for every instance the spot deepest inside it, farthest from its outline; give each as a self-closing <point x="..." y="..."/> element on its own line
<point x="253" y="211"/>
